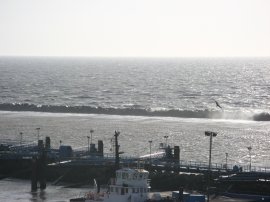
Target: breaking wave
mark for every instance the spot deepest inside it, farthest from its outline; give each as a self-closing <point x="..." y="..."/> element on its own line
<point x="134" y="111"/>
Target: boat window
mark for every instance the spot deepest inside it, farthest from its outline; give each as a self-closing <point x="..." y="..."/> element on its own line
<point x="122" y="191"/>
<point x="125" y="175"/>
<point x="133" y="190"/>
<point x="126" y="190"/>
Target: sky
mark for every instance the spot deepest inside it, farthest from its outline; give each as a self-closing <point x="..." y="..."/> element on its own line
<point x="135" y="28"/>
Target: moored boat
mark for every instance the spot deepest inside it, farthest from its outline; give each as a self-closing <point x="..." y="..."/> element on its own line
<point x="130" y="185"/>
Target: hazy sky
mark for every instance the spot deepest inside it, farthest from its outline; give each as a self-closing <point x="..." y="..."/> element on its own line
<point x="148" y="28"/>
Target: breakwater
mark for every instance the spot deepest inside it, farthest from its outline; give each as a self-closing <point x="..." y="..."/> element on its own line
<point x="138" y="111"/>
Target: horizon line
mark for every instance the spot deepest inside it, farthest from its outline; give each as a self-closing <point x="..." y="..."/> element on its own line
<point x="161" y="57"/>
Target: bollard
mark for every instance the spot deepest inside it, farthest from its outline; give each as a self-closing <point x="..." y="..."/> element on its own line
<point x="34" y="175"/>
<point x="100" y="147"/>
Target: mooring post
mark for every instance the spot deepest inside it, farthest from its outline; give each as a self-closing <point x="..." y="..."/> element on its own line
<point x="98" y="186"/>
<point x="181" y="194"/>
<point x="34" y="175"/>
<point x="116" y="134"/>
<point x="100" y="147"/>
<point x="39" y="166"/>
<point x="42" y="170"/>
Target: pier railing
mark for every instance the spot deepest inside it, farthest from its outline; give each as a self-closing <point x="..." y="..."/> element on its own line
<point x="82" y="156"/>
<point x="164" y="164"/>
<point x="199" y="166"/>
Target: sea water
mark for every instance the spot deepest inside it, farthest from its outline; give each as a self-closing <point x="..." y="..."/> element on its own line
<point x="144" y="99"/>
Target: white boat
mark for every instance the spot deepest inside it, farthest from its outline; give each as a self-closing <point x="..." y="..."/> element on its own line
<point x="130" y="185"/>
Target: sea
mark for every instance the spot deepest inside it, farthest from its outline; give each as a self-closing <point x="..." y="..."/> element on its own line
<point x="142" y="98"/>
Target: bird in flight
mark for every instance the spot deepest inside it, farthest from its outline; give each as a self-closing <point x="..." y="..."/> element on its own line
<point x="217" y="105"/>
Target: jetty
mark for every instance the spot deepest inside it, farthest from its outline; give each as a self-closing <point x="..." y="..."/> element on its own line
<point x="167" y="160"/>
<point x="40" y="162"/>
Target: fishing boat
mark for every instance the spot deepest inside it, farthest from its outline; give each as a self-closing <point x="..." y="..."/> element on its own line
<point x="130" y="185"/>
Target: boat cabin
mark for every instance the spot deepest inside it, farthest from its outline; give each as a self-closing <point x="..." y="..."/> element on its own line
<point x="130" y="181"/>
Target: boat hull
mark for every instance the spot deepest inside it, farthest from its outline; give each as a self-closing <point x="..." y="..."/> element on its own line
<point x="247" y="196"/>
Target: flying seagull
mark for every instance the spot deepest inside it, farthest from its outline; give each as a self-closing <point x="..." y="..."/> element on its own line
<point x="217" y="104"/>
